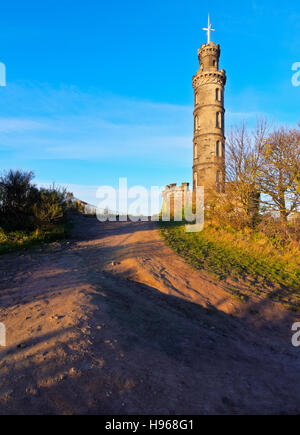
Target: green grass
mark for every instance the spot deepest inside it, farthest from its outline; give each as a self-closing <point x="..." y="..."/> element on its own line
<point x="18" y="240"/>
<point x="242" y="255"/>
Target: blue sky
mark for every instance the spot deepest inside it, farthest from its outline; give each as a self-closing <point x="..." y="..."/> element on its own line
<point x="100" y="90"/>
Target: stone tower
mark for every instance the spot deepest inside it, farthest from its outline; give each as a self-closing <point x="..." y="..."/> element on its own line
<point x="209" y="112"/>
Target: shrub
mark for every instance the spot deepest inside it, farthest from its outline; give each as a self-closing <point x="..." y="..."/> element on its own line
<point x="3" y="236"/>
<point x="17" y="196"/>
<point x="24" y="207"/>
<point x="50" y="209"/>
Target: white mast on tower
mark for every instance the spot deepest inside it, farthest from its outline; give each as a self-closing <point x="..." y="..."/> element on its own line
<point x="208" y="30"/>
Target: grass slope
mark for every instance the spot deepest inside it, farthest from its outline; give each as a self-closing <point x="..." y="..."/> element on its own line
<point x="243" y="255"/>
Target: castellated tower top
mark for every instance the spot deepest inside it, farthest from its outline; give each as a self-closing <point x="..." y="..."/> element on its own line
<point x="209" y="55"/>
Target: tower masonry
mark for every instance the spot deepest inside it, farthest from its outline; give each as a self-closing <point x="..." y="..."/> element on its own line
<point x="209" y="116"/>
<point x="209" y="129"/>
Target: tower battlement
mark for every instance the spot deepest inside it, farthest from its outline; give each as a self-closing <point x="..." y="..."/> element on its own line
<point x="203" y="77"/>
<point x="209" y="55"/>
<point x="171" y="188"/>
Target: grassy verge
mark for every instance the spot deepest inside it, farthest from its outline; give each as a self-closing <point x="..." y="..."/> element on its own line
<point x="241" y="255"/>
<point x="18" y="240"/>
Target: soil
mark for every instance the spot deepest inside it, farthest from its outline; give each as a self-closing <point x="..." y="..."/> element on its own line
<point x="114" y="322"/>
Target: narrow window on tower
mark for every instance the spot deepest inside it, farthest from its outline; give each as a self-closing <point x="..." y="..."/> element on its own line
<point x="222" y="121"/>
<point x="196" y="179"/>
<point x="214" y="63"/>
<point x="217" y="148"/>
<point x="223" y="149"/>
<point x="218" y="181"/>
<point x="217" y="119"/>
<point x="217" y="94"/>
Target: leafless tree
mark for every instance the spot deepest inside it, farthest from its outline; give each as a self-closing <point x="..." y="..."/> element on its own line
<point x="279" y="171"/>
<point x="243" y="162"/>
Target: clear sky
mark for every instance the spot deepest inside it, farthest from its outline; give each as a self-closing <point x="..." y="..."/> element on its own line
<point x="98" y="90"/>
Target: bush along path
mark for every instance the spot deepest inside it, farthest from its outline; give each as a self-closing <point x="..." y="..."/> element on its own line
<point x="29" y="215"/>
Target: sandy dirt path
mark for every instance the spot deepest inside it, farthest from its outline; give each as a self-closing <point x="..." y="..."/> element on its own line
<point x="113" y="322"/>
